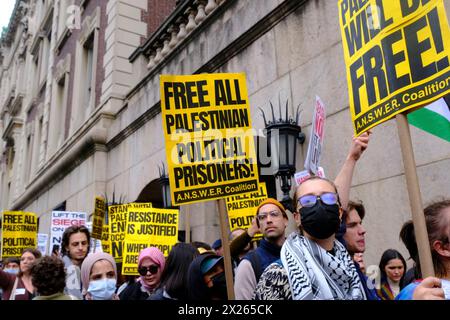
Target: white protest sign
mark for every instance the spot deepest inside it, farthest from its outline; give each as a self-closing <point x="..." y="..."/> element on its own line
<point x="62" y="220"/>
<point x="301" y="176"/>
<point x="42" y="243"/>
<point x="96" y="245"/>
<point x="316" y="140"/>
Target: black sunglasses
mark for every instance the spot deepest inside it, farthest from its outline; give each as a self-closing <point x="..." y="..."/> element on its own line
<point x="152" y="269"/>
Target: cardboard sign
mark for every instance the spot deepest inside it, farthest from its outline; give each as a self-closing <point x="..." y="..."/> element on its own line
<point x="242" y="208"/>
<point x="19" y="231"/>
<point x="117" y="222"/>
<point x="397" y="55"/>
<point x="316" y="140"/>
<point x="98" y="218"/>
<point x="209" y="142"/>
<point x="62" y="220"/>
<point x="42" y="243"/>
<point x="148" y="227"/>
<point x="301" y="176"/>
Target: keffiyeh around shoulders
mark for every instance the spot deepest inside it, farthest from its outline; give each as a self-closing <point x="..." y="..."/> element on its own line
<point x="315" y="274"/>
<point x="273" y="284"/>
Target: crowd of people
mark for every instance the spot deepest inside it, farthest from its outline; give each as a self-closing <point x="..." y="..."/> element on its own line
<point x="321" y="260"/>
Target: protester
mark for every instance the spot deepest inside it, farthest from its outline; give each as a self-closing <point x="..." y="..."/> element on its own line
<point x="99" y="277"/>
<point x="48" y="276"/>
<point x="202" y="247"/>
<point x="217" y="247"/>
<point x="313" y="266"/>
<point x="355" y="243"/>
<point x="206" y="278"/>
<point x="20" y="287"/>
<point x="437" y="218"/>
<point x="12" y="265"/>
<point x="151" y="263"/>
<point x="409" y="239"/>
<point x="272" y="220"/>
<point x="174" y="285"/>
<point x="75" y="246"/>
<point x="240" y="243"/>
<point x="392" y="269"/>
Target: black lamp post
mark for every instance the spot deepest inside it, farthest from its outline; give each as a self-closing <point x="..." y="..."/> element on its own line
<point x="282" y="138"/>
<point x="165" y="188"/>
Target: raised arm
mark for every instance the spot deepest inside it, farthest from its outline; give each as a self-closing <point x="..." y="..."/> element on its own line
<point x="343" y="180"/>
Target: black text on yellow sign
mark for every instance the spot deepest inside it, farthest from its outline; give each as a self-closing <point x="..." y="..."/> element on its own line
<point x="98" y="218"/>
<point x="117" y="215"/>
<point x="242" y="208"/>
<point x="397" y="54"/>
<point x="148" y="227"/>
<point x="209" y="145"/>
<point x="19" y="231"/>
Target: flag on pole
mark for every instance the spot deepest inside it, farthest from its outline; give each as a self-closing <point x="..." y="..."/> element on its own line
<point x="434" y="118"/>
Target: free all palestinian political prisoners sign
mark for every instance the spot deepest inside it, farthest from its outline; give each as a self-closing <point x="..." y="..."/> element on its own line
<point x="19" y="232"/>
<point x="209" y="142"/>
<point x="397" y="54"/>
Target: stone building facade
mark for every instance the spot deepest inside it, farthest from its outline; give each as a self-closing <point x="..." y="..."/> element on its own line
<point x="80" y="106"/>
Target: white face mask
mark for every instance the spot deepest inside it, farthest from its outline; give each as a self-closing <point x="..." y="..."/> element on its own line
<point x="102" y="289"/>
<point x="12" y="270"/>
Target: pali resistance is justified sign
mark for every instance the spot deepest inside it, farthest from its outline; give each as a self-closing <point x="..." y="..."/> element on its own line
<point x="209" y="142"/>
<point x="397" y="54"/>
<point x="148" y="227"/>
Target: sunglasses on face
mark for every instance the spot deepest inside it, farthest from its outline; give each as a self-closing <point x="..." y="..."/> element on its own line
<point x="310" y="200"/>
<point x="152" y="269"/>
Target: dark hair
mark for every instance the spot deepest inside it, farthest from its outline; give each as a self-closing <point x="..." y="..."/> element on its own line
<point x="48" y="275"/>
<point x="387" y="256"/>
<point x="36" y="253"/>
<point x="199" y="244"/>
<point x="66" y="238"/>
<point x="175" y="274"/>
<point x="11" y="260"/>
<point x="358" y="206"/>
<point x="315" y="178"/>
<point x="436" y="226"/>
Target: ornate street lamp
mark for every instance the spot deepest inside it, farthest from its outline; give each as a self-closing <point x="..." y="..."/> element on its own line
<point x="165" y="188"/>
<point x="282" y="138"/>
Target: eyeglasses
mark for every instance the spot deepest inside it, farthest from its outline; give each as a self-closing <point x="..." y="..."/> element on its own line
<point x="310" y="200"/>
<point x="152" y="269"/>
<point x="273" y="214"/>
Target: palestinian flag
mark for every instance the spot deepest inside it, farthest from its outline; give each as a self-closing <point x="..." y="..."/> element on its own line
<point x="434" y="118"/>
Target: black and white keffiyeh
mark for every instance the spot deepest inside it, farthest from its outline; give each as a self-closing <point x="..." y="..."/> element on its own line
<point x="315" y="274"/>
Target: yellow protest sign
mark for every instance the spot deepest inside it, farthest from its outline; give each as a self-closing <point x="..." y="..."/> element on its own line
<point x="242" y="208"/>
<point x="397" y="54"/>
<point x="106" y="243"/>
<point x="98" y="217"/>
<point x="148" y="227"/>
<point x="209" y="141"/>
<point x="117" y="215"/>
<point x="19" y="231"/>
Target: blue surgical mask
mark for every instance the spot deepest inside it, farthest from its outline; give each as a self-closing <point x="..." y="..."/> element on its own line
<point x="102" y="289"/>
<point x="12" y="270"/>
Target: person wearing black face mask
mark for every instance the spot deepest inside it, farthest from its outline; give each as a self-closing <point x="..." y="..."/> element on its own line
<point x="314" y="264"/>
<point x="206" y="278"/>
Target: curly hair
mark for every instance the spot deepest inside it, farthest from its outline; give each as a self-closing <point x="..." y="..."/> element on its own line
<point x="48" y="275"/>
